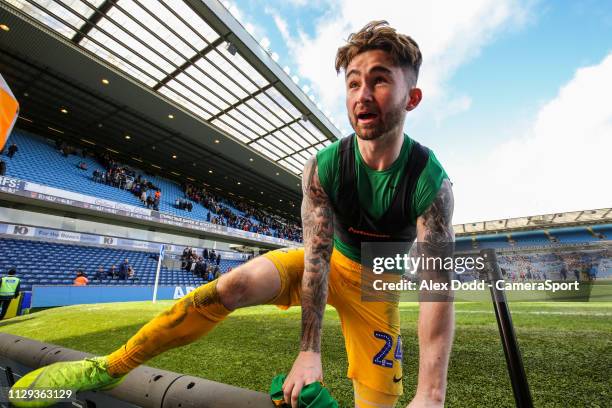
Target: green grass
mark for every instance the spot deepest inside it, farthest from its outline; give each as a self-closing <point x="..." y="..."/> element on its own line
<point x="566" y="347"/>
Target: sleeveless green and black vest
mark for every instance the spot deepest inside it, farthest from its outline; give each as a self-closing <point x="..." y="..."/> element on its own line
<point x="353" y="224"/>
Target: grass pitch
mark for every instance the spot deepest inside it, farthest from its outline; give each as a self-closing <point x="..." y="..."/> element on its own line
<point x="566" y="348"/>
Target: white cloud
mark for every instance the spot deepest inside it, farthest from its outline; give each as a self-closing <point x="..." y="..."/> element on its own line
<point x="281" y="24"/>
<point x="559" y="163"/>
<point x="265" y="43"/>
<point x="449" y="34"/>
<point x="257" y="31"/>
<point x="250" y="28"/>
<point x="562" y="163"/>
<point x="298" y="3"/>
<point x="454" y="106"/>
<point x="233" y="9"/>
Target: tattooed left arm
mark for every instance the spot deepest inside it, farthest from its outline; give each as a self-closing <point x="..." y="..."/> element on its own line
<point x="436" y="318"/>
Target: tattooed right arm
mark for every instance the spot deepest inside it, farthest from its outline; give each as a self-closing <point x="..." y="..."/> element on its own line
<point x="317" y="225"/>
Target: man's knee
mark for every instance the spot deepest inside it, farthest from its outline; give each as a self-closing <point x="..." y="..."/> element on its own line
<point x="232" y="288"/>
<point x="253" y="283"/>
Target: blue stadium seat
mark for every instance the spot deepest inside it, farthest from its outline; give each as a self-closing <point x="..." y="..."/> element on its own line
<point x="62" y="261"/>
<point x="37" y="160"/>
<point x="537" y="238"/>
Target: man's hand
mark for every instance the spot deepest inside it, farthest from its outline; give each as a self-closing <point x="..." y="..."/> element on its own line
<point x="306" y="370"/>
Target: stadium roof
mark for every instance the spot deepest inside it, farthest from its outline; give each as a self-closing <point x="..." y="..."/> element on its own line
<point x="556" y="220"/>
<point x="192" y="55"/>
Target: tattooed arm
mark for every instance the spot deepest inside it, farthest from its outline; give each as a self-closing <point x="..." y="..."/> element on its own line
<point x="436" y="316"/>
<point x="317" y="226"/>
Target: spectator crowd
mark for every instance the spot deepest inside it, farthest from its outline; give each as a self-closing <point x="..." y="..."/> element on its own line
<point x="124" y="272"/>
<point x="220" y="213"/>
<point x="205" y="266"/>
<point x="220" y="210"/>
<point x="125" y="178"/>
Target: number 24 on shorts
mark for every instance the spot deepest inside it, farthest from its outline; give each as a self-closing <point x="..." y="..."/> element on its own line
<point x="380" y="357"/>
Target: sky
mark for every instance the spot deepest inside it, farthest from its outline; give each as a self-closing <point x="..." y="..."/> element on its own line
<point x="517" y="95"/>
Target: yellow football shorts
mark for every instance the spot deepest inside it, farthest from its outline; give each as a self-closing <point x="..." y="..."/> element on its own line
<point x="371" y="329"/>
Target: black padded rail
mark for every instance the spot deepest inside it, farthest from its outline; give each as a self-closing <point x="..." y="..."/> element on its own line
<point x="144" y="387"/>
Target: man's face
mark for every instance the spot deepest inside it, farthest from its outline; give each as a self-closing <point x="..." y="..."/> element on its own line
<point x="377" y="94"/>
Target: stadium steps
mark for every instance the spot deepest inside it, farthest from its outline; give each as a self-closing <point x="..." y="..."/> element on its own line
<point x="594" y="234"/>
<point x="550" y="237"/>
<point x="474" y="242"/>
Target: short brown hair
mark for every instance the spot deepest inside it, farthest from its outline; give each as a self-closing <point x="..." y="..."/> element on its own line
<point x="378" y="35"/>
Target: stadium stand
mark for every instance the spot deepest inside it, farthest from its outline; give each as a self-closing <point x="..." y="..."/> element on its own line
<point x="604" y="231"/>
<point x="535" y="238"/>
<point x="530" y="238"/>
<point x="46" y="263"/>
<point x="541" y="265"/>
<point x="41" y="162"/>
